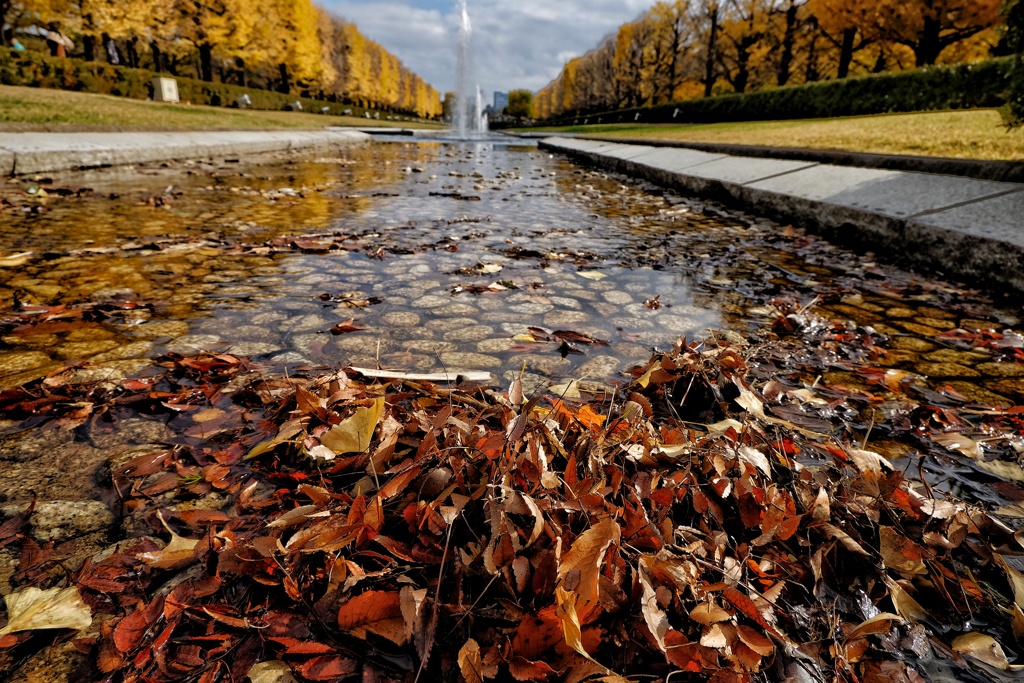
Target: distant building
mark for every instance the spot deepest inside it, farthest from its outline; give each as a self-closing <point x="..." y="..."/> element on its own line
<point x="500" y="101"/>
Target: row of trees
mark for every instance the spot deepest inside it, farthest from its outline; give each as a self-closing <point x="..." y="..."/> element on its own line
<point x="284" y="45"/>
<point x="684" y="49"/>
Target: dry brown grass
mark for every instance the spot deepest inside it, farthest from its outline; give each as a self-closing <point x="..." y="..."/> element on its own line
<point x="33" y="109"/>
<point x="977" y="134"/>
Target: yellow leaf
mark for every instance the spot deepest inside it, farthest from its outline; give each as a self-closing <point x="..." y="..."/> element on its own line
<point x="566" y="601"/>
<point x="1001" y="468"/>
<point x="881" y="623"/>
<point x="470" y="662"/>
<point x="274" y="671"/>
<point x="984" y="649"/>
<point x="37" y="610"/>
<point x="906" y="606"/>
<point x="354" y="434"/>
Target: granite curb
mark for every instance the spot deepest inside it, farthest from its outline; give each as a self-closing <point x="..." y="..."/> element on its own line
<point x="30" y="153"/>
<point x="1002" y="171"/>
<point x="968" y="228"/>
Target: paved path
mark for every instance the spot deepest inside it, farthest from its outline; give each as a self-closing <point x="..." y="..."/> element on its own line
<point x="970" y="228"/>
<point x="26" y="153"/>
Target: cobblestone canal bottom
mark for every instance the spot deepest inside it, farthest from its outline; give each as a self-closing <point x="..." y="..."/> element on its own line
<point x="418" y="257"/>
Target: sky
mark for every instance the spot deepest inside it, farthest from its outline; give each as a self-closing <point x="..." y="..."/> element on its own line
<point x="517" y="43"/>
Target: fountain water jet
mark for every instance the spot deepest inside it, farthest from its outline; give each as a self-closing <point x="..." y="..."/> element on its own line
<point x="469" y="117"/>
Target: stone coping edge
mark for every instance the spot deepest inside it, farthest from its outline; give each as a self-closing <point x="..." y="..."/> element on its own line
<point x="1002" y="171"/>
<point x="984" y="261"/>
<point x="46" y="154"/>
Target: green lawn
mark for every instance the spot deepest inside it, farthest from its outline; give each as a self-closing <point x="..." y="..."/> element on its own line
<point x="34" y="109"/>
<point x="977" y="134"/>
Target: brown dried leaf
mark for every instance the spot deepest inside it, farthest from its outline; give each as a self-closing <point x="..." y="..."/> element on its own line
<point x="470" y="663"/>
<point x="581" y="566"/>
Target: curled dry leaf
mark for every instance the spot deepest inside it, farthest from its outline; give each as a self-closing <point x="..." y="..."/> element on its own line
<point x="37" y="610"/>
<point x="178" y="553"/>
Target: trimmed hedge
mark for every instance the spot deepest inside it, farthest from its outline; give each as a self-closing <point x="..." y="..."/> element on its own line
<point x="960" y="86"/>
<point x="38" y="70"/>
<point x="1013" y="112"/>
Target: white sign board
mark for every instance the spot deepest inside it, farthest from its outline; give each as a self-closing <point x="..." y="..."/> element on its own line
<point x="165" y="90"/>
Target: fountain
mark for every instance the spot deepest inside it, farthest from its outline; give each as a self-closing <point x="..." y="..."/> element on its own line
<point x="470" y="120"/>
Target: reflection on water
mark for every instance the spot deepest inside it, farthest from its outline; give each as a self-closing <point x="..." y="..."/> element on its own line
<point x="432" y="217"/>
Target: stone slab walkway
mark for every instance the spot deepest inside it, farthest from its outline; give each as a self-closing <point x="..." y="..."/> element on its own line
<point x="970" y="228"/>
<point x="29" y="153"/>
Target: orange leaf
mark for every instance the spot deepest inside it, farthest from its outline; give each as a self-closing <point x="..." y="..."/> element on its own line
<point x="526" y="670"/>
<point x="580" y="568"/>
<point x="377" y="612"/>
<point x="747" y="607"/>
<point x="328" y="668"/>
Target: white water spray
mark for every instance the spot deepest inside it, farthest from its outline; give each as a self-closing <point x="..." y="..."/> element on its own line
<point x="470" y="119"/>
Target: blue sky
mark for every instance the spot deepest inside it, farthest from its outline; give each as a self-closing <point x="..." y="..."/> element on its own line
<point x="517" y="43"/>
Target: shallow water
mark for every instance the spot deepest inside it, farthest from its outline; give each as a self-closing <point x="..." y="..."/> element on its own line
<point x="414" y="229"/>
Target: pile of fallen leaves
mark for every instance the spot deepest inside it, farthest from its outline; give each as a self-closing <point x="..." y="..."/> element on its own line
<point x="720" y="518"/>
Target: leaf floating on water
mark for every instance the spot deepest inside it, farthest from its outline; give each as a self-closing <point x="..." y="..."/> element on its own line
<point x="16" y="260"/>
<point x="38" y="610"/>
<point x="1004" y="469"/>
<point x="178" y="553"/>
<point x="985" y="649"/>
<point x="347" y="327"/>
<point x="961" y="444"/>
<point x="595" y="275"/>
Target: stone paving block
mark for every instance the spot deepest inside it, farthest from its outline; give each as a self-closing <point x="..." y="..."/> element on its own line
<point x="627" y="152"/>
<point x="890" y="193"/>
<point x="6" y="163"/>
<point x="40" y="153"/>
<point x="673" y="159"/>
<point x="745" y="170"/>
<point x="997" y="218"/>
<point x="576" y="145"/>
<point x="982" y="240"/>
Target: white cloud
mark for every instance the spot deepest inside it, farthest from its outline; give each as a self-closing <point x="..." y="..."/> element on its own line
<point x="517" y="43"/>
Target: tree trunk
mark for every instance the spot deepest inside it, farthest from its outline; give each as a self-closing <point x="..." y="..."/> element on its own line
<point x="158" y="57"/>
<point x="929" y="44"/>
<point x="788" y="41"/>
<point x="742" y="71"/>
<point x="206" y="62"/>
<point x="243" y="77"/>
<point x="880" y="63"/>
<point x="812" y="74"/>
<point x="133" y="53"/>
<point x="846" y="53"/>
<point x="709" y="62"/>
<point x="89" y="48"/>
<point x="286" y="85"/>
<point x="5" y="36"/>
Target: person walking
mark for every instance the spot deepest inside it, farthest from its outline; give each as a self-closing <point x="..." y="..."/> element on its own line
<point x="58" y="43"/>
